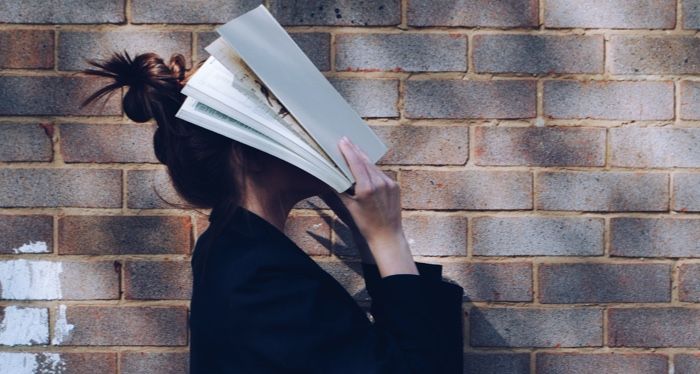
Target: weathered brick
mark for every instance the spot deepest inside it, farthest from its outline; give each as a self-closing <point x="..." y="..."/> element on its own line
<point x="616" y="14"/>
<point x="20" y="325"/>
<point x="608" y="99"/>
<point x="654" y="237"/>
<point x="337" y="12"/>
<point x="686" y="192"/>
<point x="123" y="325"/>
<point x="496" y="363"/>
<point x="189" y="11"/>
<point x="26" y="96"/>
<point x="131" y="142"/>
<point x="154" y="280"/>
<point x="75" y="46"/>
<point x="455" y="98"/>
<point x="26" y="234"/>
<point x="124" y="234"/>
<point x="531" y="327"/>
<point x="604" y="283"/>
<point x="311" y="233"/>
<point x="466" y="189"/>
<point x="427" y="235"/>
<point x="690" y="100"/>
<point x="612" y="363"/>
<point x="370" y="97"/>
<point x="401" y="52"/>
<point x="349" y="275"/>
<point x="144" y="186"/>
<point x="424" y="145"/>
<point x="22" y="279"/>
<point x="539" y="146"/>
<point x="473" y="13"/>
<point x="25" y="142"/>
<point x="59" y="362"/>
<point x="649" y="147"/>
<point x="601" y="191"/>
<point x="689" y="289"/>
<point x="686" y="363"/>
<point x="154" y="362"/>
<point x="16" y="55"/>
<point x="60" y="187"/>
<point x="645" y="54"/>
<point x="311" y="203"/>
<point x="72" y="11"/>
<point x="691" y="14"/>
<point x="537" y="236"/>
<point x="484" y="281"/>
<point x="654" y="327"/>
<point x="538" y="54"/>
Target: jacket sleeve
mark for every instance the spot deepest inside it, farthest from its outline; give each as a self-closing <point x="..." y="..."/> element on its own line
<point x="294" y="320"/>
<point x="446" y="302"/>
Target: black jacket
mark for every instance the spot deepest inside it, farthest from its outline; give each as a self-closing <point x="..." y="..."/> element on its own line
<point x="267" y="307"/>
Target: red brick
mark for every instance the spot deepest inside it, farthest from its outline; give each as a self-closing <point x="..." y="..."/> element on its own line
<point x="654" y="327"/>
<point x="617" y="362"/>
<point x="124" y="234"/>
<point x="539" y="146"/>
<point x="108" y="143"/>
<point x="125" y="325"/>
<point x="26" y="234"/>
<point x="157" y="280"/>
<point x="26" y="142"/>
<point x="145" y="189"/>
<point x="469" y="189"/>
<point x="154" y="362"/>
<point x="18" y="55"/>
<point x="311" y="233"/>
<point x="689" y="278"/>
<point x="424" y="145"/>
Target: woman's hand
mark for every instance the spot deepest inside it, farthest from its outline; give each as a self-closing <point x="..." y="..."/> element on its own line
<point x="333" y="201"/>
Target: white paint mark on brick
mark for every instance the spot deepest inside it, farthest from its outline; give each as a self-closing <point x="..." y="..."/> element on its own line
<point x="31" y="363"/>
<point x="30" y="280"/>
<point x="24" y="326"/>
<point x="316" y="225"/>
<point x="63" y="328"/>
<point x="32" y="247"/>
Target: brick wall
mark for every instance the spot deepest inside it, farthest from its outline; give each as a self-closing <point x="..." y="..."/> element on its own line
<point x="548" y="153"/>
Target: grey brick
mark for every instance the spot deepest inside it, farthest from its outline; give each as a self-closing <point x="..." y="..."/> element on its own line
<point x="424" y="145"/>
<point x="530" y="327"/>
<point x="189" y="11"/>
<point x="539" y="146"/>
<point x="538" y="54"/>
<point x="604" y="283"/>
<point x="26" y="234"/>
<point x="401" y="52"/>
<point x="75" y="46"/>
<point x="55" y="11"/>
<point x="370" y="97"/>
<point x="686" y="193"/>
<point x="470" y="99"/>
<point x="686" y="363"/>
<point x="602" y="191"/>
<point x="653" y="54"/>
<point x="132" y="142"/>
<point x="25" y="96"/>
<point x="615" y="14"/>
<point x="690" y="100"/>
<point x="610" y="363"/>
<point x="312" y="233"/>
<point x="472" y="13"/>
<point x="16" y="55"/>
<point x="689" y="278"/>
<point x="499" y="190"/>
<point x="144" y="186"/>
<point x="483" y="281"/>
<point x="654" y="327"/>
<point x="537" y="236"/>
<point x="25" y="142"/>
<point x="691" y="14"/>
<point x="337" y="12"/>
<point x="654" y="237"/>
<point x="154" y="362"/>
<point x="655" y="147"/>
<point x="496" y="363"/>
<point x="60" y="187"/>
<point x="157" y="280"/>
<point x="608" y="99"/>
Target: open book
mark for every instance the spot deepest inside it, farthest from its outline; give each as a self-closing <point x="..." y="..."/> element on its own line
<point x="259" y="88"/>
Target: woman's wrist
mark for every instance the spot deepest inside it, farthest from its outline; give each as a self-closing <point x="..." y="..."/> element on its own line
<point x="392" y="254"/>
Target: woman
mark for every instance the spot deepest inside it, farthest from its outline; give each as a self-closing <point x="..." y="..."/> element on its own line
<point x="259" y="303"/>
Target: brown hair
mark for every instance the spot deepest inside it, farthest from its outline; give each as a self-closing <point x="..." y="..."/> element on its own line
<point x="206" y="168"/>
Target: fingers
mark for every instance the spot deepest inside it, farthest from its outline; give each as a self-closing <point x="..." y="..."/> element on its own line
<point x="375" y="173"/>
<point x="356" y="163"/>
